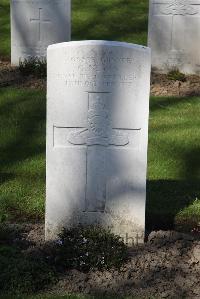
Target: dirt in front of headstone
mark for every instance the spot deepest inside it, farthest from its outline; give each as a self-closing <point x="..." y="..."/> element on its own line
<point x="166" y="266"/>
<point x="11" y="76"/>
<point x="161" y="85"/>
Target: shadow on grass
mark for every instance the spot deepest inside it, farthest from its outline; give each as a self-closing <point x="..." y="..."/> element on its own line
<point x="174" y="160"/>
<point x="26" y="124"/>
<point x="23" y="138"/>
<point x="4" y="29"/>
<point x="22" y="171"/>
<point x="23" y="116"/>
<point x="165" y="198"/>
<point x="192" y="164"/>
<point x="162" y="103"/>
<point x="122" y="20"/>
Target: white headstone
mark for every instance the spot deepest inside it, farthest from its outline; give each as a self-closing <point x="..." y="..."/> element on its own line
<point x="97" y="131"/>
<point x="36" y="24"/>
<point x="174" y="35"/>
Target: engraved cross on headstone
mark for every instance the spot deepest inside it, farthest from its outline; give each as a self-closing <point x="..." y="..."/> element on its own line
<point x="98" y="136"/>
<point x="40" y="20"/>
<point x="176" y="9"/>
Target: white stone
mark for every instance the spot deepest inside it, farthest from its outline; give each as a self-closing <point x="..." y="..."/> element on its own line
<point x="97" y="131"/>
<point x="174" y="35"/>
<point x="36" y="24"/>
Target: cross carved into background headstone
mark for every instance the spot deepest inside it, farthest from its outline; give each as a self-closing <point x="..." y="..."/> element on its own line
<point x="39" y="21"/>
<point x="175" y="9"/>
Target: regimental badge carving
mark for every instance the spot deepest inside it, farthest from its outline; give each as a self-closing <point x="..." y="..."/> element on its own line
<point x="99" y="131"/>
<point x="179" y="7"/>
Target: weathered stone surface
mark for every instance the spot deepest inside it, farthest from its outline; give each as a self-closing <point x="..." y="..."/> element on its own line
<point x="36" y="24"/>
<point x="174" y="35"/>
<point x="97" y="129"/>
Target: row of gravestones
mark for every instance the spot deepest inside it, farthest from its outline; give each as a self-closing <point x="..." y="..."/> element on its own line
<point x="174" y="31"/>
<point x="97" y="112"/>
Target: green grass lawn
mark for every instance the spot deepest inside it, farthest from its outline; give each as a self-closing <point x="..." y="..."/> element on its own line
<point x="22" y="151"/>
<point x="173" y="187"/>
<point x="173" y="143"/>
<point x="123" y="20"/>
<point x="173" y="157"/>
<point x="173" y="163"/>
<point x="4" y="28"/>
<point x="173" y="139"/>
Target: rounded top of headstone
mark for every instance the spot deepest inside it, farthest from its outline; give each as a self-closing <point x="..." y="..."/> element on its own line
<point x="98" y="43"/>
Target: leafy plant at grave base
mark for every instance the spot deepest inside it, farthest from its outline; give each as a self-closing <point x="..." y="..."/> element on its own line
<point x="188" y="219"/>
<point x="3" y="217"/>
<point x="91" y="247"/>
<point x="176" y="75"/>
<point x="33" y="66"/>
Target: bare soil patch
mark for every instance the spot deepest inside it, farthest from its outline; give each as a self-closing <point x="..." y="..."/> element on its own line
<point x="11" y="76"/>
<point x="162" y="86"/>
<point x="166" y="266"/>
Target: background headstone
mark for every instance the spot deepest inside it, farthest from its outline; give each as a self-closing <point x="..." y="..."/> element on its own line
<point x="174" y="35"/>
<point x="36" y="24"/>
<point x="97" y="131"/>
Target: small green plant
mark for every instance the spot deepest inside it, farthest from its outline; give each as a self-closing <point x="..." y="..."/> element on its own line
<point x="33" y="66"/>
<point x="3" y="218"/>
<point x="176" y="75"/>
<point x="188" y="219"/>
<point x="91" y="247"/>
